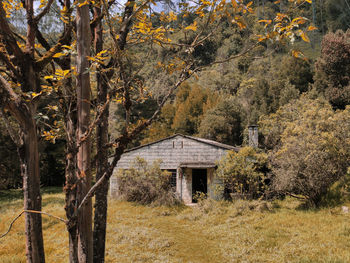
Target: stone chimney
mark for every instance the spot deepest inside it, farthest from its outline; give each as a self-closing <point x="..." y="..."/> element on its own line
<point x="253" y="136"/>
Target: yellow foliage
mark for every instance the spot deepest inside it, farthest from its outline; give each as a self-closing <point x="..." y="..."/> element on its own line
<point x="58" y="55"/>
<point x="304" y="37"/>
<point x="192" y="27"/>
<point x="11" y="6"/>
<point x="311" y="28"/>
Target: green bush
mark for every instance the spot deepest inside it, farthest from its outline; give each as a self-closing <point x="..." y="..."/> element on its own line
<point x="146" y="184"/>
<point x="339" y="192"/>
<point x="243" y="173"/>
<point x="311" y="148"/>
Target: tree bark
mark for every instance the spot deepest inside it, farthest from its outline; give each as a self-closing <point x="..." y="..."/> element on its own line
<point x="100" y="215"/>
<point x="84" y="218"/>
<point x="29" y="159"/>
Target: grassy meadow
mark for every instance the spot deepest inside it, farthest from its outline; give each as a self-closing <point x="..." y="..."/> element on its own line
<point x="211" y="232"/>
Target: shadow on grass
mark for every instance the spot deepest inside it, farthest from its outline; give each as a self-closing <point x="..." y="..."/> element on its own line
<point x="53" y="201"/>
<point x="10" y="195"/>
<point x="51" y="190"/>
<point x="17" y="194"/>
<point x="324" y="204"/>
<point x="49" y="222"/>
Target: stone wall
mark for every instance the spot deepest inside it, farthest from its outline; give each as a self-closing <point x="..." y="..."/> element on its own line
<point x="173" y="152"/>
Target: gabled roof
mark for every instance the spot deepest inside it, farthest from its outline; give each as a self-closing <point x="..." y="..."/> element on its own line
<point x="206" y="141"/>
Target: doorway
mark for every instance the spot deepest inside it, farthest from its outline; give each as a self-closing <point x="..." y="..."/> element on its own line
<point x="199" y="182"/>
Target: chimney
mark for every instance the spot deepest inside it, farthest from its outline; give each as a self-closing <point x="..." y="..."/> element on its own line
<point x="253" y="136"/>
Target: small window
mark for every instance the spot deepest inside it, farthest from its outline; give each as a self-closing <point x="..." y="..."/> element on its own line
<point x="173" y="144"/>
<point x="173" y="177"/>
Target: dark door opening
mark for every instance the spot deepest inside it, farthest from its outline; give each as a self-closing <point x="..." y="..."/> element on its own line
<point x="199" y="182"/>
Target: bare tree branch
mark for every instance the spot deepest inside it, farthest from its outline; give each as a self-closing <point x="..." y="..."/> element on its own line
<point x="244" y="52"/>
<point x="125" y="138"/>
<point x="43" y="12"/>
<point x="11" y="224"/>
<point x="9" y="64"/>
<point x="31" y="211"/>
<point x="15" y="138"/>
<point x="13" y="102"/>
<point x="48" y="56"/>
<point x="6" y="35"/>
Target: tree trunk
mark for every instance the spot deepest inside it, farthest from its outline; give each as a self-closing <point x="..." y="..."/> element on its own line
<point x="29" y="159"/>
<point x="84" y="219"/>
<point x="100" y="217"/>
<point x="71" y="181"/>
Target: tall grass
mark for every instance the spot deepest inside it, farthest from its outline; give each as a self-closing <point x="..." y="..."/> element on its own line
<point x="210" y="232"/>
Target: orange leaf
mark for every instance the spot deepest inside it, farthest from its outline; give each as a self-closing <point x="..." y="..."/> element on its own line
<point x="192" y="27"/>
<point x="311" y="28"/>
<point x="304" y="37"/>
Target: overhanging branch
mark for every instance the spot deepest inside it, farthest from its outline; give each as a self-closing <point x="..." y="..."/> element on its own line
<point x="43" y="12"/>
<point x="31" y="211"/>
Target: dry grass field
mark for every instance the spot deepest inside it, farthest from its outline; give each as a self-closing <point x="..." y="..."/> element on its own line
<point x="212" y="232"/>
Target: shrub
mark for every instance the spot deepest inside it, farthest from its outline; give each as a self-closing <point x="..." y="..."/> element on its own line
<point x="145" y="184"/>
<point x="312" y="148"/>
<point x="332" y="69"/>
<point x="339" y="192"/>
<point x="243" y="173"/>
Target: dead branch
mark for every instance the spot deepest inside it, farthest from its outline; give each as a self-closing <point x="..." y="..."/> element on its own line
<point x="44" y="213"/>
<point x="49" y="55"/>
<point x="15" y="138"/>
<point x="127" y="137"/>
<point x="244" y="52"/>
<point x="30" y="211"/>
<point x="6" y="35"/>
<point x="11" y="224"/>
<point x="44" y="11"/>
<point x="296" y="196"/>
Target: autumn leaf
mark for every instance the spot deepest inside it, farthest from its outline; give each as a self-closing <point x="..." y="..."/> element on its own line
<point x="298" y="54"/>
<point x="34" y="94"/>
<point x="261" y="38"/>
<point x="65" y="46"/>
<point x="172" y="16"/>
<point x="265" y="21"/>
<point x="311" y="28"/>
<point x="84" y="3"/>
<point x="58" y="55"/>
<point x="305" y="37"/>
<point x="192" y="27"/>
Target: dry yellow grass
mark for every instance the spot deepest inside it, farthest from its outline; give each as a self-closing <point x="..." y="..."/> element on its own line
<point x="213" y="232"/>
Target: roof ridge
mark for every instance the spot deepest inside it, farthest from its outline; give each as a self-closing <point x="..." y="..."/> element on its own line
<point x="207" y="141"/>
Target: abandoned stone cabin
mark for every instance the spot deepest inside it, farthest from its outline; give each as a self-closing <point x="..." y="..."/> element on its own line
<point x="191" y="160"/>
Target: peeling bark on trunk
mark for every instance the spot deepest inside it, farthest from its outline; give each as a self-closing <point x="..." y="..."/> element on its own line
<point x="28" y="152"/>
<point x="84" y="219"/>
<point x="71" y="181"/>
<point x="29" y="159"/>
<point x="100" y="216"/>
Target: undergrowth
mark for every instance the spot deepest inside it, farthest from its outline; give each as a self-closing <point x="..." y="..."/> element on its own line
<point x="212" y="231"/>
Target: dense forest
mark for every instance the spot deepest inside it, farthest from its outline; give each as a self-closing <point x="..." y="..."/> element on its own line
<point x="82" y="82"/>
<point x="220" y="102"/>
